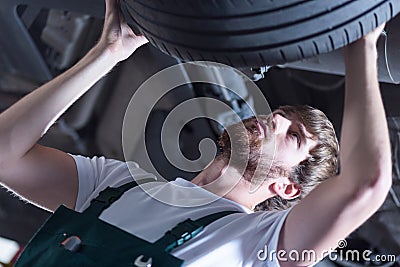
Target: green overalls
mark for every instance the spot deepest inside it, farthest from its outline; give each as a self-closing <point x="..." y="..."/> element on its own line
<point x="69" y="238"/>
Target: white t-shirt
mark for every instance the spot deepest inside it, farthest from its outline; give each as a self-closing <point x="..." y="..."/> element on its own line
<point x="239" y="239"/>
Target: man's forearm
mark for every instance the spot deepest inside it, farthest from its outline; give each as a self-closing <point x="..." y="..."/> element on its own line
<point x="25" y="122"/>
<point x="365" y="143"/>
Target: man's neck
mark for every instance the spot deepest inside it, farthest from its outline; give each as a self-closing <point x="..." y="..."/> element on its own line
<point x="227" y="182"/>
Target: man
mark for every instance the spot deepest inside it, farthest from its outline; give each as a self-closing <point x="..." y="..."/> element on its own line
<point x="331" y="211"/>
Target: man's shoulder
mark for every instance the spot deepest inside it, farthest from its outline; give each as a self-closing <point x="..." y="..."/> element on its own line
<point x="97" y="173"/>
<point x="102" y="165"/>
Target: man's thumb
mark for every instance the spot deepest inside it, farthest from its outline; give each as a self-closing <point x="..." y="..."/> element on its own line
<point x="142" y="40"/>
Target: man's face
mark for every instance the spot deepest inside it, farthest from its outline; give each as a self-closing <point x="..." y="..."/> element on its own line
<point x="285" y="133"/>
<point x="293" y="142"/>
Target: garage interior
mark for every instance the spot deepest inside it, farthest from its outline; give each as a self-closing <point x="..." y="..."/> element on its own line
<point x="39" y="43"/>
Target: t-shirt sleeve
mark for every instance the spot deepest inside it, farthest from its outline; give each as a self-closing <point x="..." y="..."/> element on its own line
<point x="96" y="173"/>
<point x="270" y="225"/>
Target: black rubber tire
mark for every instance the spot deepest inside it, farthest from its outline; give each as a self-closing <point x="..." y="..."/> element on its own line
<point x="250" y="33"/>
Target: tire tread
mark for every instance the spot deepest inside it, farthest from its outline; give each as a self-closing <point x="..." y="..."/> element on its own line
<point x="192" y="45"/>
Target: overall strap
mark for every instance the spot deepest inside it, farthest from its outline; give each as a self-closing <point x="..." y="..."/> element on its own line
<point x="186" y="230"/>
<point x="108" y="196"/>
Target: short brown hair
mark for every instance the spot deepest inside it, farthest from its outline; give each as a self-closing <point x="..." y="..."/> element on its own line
<point x="323" y="160"/>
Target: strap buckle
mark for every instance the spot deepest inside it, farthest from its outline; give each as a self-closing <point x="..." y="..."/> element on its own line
<point x="108" y="196"/>
<point x="183" y="232"/>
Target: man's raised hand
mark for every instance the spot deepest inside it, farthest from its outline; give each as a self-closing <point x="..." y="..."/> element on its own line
<point x="117" y="37"/>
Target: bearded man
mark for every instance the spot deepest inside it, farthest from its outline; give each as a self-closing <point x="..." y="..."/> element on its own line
<point x="265" y="195"/>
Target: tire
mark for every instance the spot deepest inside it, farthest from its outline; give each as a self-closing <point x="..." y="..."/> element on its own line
<point x="252" y="33"/>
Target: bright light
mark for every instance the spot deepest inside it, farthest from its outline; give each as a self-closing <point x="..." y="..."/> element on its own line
<point x="8" y="249"/>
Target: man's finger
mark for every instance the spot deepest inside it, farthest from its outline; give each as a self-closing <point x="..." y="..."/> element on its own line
<point x="376" y="33"/>
<point x="121" y="16"/>
<point x="111" y="6"/>
<point x="141" y="40"/>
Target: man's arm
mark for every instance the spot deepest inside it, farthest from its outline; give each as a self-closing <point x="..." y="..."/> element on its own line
<point x="341" y="204"/>
<point x="48" y="176"/>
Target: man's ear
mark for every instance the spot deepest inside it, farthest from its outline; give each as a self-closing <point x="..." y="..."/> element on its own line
<point x="286" y="189"/>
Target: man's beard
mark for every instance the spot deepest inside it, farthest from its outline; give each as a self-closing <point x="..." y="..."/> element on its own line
<point x="243" y="145"/>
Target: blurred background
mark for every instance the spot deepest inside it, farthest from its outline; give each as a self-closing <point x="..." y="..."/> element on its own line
<point x="38" y="42"/>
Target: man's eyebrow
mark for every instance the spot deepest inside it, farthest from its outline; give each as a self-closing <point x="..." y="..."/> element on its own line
<point x="299" y="125"/>
<point x="281" y="112"/>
